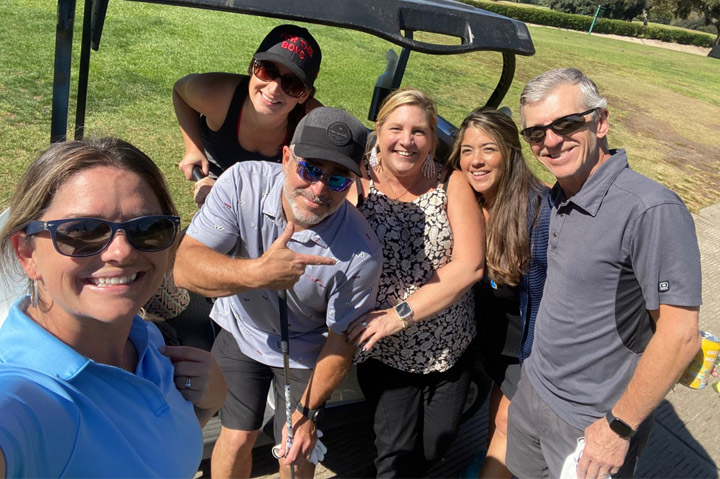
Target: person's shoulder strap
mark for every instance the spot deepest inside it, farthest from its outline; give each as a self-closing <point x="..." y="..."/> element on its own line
<point x="444" y="175"/>
<point x="232" y="119"/>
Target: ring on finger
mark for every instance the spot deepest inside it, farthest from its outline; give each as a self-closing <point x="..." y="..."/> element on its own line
<point x="188" y="383"/>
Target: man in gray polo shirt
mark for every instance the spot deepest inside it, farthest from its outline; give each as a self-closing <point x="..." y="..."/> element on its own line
<point x="618" y="322"/>
<point x="290" y="228"/>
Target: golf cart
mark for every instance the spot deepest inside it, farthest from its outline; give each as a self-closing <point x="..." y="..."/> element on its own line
<point x="400" y="22"/>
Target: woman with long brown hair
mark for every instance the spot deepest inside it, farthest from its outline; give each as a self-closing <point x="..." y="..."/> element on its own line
<point x="517" y="214"/>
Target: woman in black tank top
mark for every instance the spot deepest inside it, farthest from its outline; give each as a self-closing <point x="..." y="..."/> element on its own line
<point x="226" y="118"/>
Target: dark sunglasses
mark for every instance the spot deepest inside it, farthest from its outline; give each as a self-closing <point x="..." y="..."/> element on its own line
<point x="290" y="83"/>
<point x="562" y="126"/>
<point x="79" y="237"/>
<point x="312" y="174"/>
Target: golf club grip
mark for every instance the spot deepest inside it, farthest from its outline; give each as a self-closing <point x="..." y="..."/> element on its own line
<point x="197" y="173"/>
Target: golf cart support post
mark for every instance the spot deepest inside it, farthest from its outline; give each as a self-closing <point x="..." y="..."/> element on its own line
<point x="393" y="20"/>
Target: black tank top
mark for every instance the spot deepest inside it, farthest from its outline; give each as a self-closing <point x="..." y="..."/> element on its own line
<point x="222" y="147"/>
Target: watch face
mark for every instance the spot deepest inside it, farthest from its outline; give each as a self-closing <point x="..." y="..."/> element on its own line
<point x="403" y="310"/>
<point x="621" y="428"/>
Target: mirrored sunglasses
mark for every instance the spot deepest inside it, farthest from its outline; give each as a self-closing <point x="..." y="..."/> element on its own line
<point x="312" y="174"/>
<point x="562" y="126"/>
<point x="78" y="237"/>
<point x="290" y="83"/>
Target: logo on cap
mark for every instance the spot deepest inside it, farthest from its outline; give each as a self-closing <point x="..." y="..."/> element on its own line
<point x="339" y="133"/>
<point x="296" y="45"/>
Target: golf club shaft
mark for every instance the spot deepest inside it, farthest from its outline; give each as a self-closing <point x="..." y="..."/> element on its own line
<point x="285" y="347"/>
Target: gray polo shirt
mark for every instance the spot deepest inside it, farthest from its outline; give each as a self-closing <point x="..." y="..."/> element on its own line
<point x="245" y="208"/>
<point x="621" y="246"/>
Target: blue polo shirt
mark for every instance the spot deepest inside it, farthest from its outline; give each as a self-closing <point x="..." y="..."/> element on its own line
<point x="244" y="215"/>
<point x="621" y="246"/>
<point x="64" y="415"/>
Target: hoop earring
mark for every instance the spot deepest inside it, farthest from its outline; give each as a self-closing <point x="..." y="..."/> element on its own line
<point x="34" y="294"/>
<point x="428" y="167"/>
<point x="374" y="160"/>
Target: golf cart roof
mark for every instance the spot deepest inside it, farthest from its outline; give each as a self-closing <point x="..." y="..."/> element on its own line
<point x="476" y="29"/>
<point x="394" y="20"/>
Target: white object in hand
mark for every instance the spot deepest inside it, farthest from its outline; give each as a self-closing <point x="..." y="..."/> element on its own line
<point x="317" y="455"/>
<point x="569" y="470"/>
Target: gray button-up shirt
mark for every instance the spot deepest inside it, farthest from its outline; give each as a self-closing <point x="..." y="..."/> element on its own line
<point x="244" y="214"/>
<point x="621" y="246"/>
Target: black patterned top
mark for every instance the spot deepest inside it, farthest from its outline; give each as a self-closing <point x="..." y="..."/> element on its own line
<point x="417" y="240"/>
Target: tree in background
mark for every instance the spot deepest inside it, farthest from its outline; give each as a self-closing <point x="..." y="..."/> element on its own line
<point x="617" y="9"/>
<point x="709" y="9"/>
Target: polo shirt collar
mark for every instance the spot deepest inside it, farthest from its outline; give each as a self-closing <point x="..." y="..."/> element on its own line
<point x="592" y="193"/>
<point x="25" y="343"/>
<point x="273" y="209"/>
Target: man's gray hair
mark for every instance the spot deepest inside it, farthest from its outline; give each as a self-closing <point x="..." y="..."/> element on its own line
<point x="544" y="84"/>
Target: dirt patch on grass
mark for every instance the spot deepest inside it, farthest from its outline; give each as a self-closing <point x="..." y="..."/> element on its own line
<point x="699" y="183"/>
<point x="694" y="49"/>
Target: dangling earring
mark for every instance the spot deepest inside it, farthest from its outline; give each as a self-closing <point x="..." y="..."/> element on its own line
<point x="373" y="160"/>
<point x="34" y="294"/>
<point x="428" y="167"/>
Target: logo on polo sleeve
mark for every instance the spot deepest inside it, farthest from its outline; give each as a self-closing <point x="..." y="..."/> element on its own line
<point x="664" y="286"/>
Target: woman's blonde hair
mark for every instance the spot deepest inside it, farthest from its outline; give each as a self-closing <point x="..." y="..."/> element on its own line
<point x="39" y="184"/>
<point x="414" y="97"/>
<point x="508" y="244"/>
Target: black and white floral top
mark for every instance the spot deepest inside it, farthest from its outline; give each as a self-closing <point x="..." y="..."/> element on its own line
<point x="417" y="240"/>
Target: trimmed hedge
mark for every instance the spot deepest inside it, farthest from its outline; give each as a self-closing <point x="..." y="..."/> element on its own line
<point x="541" y="16"/>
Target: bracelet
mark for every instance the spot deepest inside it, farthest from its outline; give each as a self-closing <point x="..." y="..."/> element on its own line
<point x="402" y="320"/>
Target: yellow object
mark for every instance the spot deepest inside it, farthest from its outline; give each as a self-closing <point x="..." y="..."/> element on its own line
<point x="698" y="372"/>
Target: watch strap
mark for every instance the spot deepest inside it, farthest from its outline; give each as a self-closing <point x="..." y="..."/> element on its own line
<point x="313" y="414"/>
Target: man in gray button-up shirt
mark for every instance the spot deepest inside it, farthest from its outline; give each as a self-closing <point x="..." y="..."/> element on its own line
<point x="289" y="227"/>
<point x="618" y="322"/>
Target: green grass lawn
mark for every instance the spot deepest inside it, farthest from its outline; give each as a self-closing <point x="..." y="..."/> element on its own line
<point x="665" y="105"/>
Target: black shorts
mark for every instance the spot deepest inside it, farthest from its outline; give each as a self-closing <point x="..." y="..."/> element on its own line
<point x="248" y="385"/>
<point x="504" y="371"/>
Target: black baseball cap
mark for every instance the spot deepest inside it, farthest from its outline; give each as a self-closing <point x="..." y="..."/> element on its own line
<point x="293" y="47"/>
<point x="331" y="134"/>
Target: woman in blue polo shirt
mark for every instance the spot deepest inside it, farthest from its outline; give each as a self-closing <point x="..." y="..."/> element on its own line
<point x="87" y="388"/>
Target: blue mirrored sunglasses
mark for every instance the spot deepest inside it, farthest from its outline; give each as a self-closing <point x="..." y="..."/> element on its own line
<point x="312" y="174"/>
<point x="79" y="237"/>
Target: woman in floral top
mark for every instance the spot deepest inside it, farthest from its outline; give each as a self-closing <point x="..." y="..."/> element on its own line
<point x="414" y="357"/>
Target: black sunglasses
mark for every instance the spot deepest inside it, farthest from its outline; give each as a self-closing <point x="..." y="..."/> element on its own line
<point x="312" y="174"/>
<point x="562" y="126"/>
<point x="290" y="83"/>
<point x="78" y="237"/>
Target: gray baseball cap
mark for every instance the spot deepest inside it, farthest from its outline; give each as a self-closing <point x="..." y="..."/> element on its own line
<point x="331" y="134"/>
